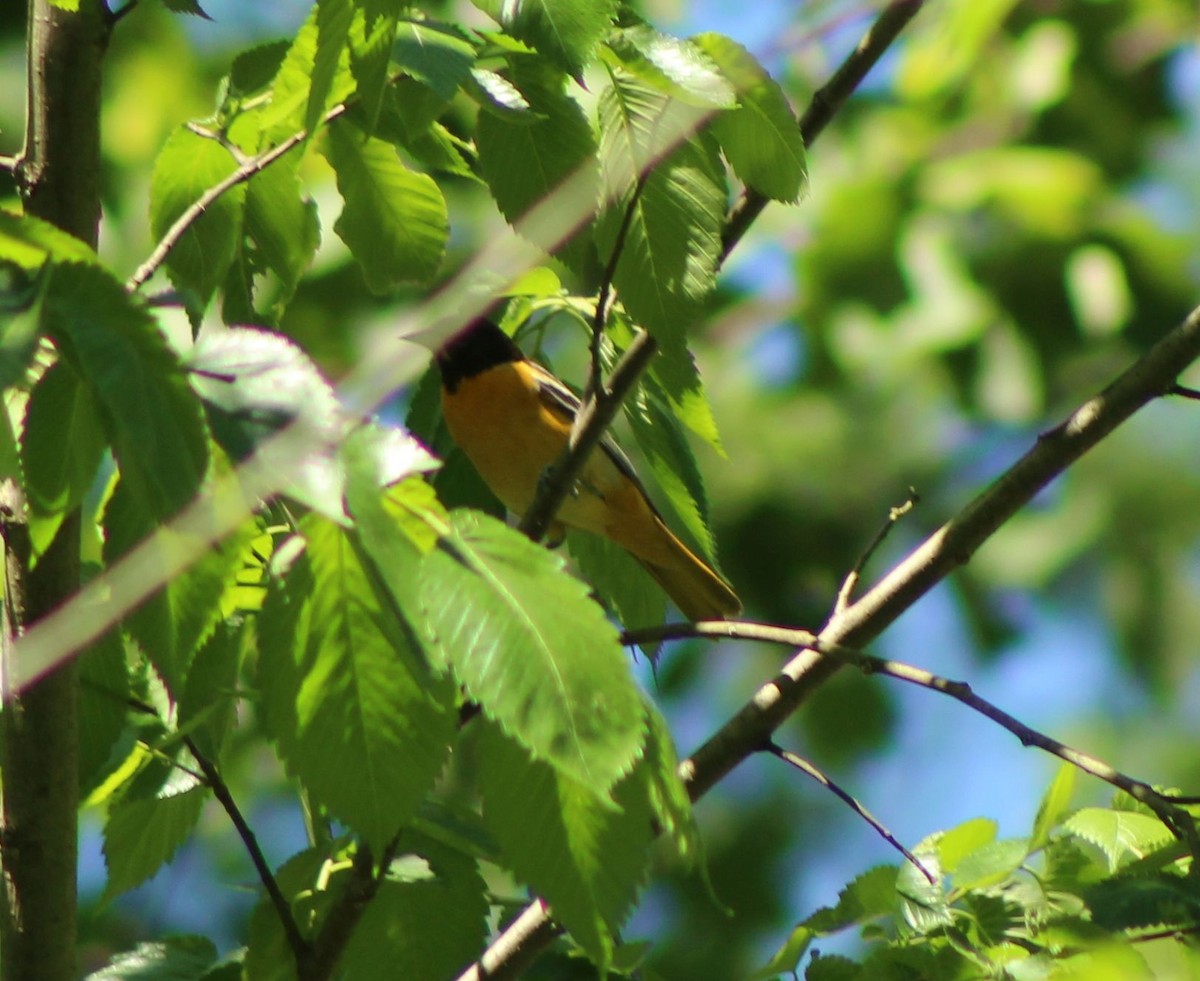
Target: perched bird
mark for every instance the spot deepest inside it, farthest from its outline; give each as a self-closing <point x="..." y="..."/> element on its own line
<point x="512" y="419"/>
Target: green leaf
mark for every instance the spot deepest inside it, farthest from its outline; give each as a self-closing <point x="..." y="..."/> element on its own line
<point x="282" y="223"/>
<point x="255" y="384"/>
<point x="420" y="927"/>
<point x="1055" y="803"/>
<point x="436" y="54"/>
<point x="678" y="67"/>
<point x="530" y="646"/>
<point x="29" y="242"/>
<point x="104" y="690"/>
<point x="62" y="442"/>
<point x="371" y="37"/>
<point x="666" y="795"/>
<point x="761" y="137"/>
<point x="151" y="416"/>
<point x="22" y="301"/>
<point x="1121" y="835"/>
<point x="291" y="95"/>
<point x="141" y="834"/>
<point x="396" y="529"/>
<point x="675" y="381"/>
<point x="673" y="244"/>
<point x="990" y="864"/>
<point x="356" y="712"/>
<point x="173" y="959"/>
<point x="522" y="164"/>
<point x="208" y="703"/>
<point x="957" y="843"/>
<point x="565" y="31"/>
<point x="619" y="578"/>
<point x="674" y="468"/>
<point x="255" y="68"/>
<point x="580" y="852"/>
<point x="186" y="167"/>
<point x="310" y="880"/>
<point x="185" y="7"/>
<point x="394" y="220"/>
<point x="334" y="19"/>
<point x="332" y="52"/>
<point x="176" y="620"/>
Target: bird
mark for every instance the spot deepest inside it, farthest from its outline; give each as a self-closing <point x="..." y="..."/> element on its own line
<point x="512" y="419"/>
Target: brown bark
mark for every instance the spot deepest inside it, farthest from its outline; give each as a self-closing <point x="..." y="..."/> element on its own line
<point x="58" y="174"/>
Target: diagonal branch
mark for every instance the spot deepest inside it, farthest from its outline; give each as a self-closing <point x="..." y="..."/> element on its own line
<point x="931" y="562"/>
<point x="1166" y="806"/>
<point x="594" y="418"/>
<point x="197" y="208"/>
<point x="825" y="103"/>
<point x="811" y="770"/>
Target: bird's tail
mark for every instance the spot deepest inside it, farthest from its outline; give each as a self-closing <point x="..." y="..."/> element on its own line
<point x="693" y="585"/>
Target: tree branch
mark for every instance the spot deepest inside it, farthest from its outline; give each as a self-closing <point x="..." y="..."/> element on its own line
<point x="242" y="174"/>
<point x="300" y="948"/>
<point x="594" y="418"/>
<point x="850" y="583"/>
<point x="58" y="177"/>
<point x="951" y="546"/>
<point x="811" y="770"/>
<point x="1168" y="807"/>
<point x="825" y="104"/>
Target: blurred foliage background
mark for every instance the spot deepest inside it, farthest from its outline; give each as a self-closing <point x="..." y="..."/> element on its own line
<point x="1004" y="216"/>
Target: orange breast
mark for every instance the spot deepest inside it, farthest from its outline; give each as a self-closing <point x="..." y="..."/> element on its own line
<point x="499" y="420"/>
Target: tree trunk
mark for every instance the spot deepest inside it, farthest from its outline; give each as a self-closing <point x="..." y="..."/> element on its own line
<point x="59" y="177"/>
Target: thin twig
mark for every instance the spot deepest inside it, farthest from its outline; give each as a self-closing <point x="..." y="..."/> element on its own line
<point x="594" y="419"/>
<point x="850" y="583"/>
<point x="825" y="103"/>
<point x="300" y="947"/>
<point x="239" y="176"/>
<point x="604" y="293"/>
<point x="226" y="143"/>
<point x="211" y="777"/>
<point x="1184" y="392"/>
<point x="810" y="769"/>
<point x="1165" y="806"/>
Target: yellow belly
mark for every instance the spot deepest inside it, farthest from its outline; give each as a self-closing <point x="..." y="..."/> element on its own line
<point x="512" y="449"/>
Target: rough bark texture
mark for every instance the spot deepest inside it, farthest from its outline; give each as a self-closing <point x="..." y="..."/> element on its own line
<point x="58" y="174"/>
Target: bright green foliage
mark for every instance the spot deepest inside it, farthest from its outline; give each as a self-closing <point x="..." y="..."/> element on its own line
<point x="530" y="646"/>
<point x="1010" y="905"/>
<point x="523" y="164"/>
<point x="187" y="167"/>
<point x="580" y="850"/>
<point x="563" y="31"/>
<point x="668" y="264"/>
<point x="760" y="137"/>
<point x="170" y="960"/>
<point x="152" y="419"/>
<point x="172" y="624"/>
<point x="675" y="66"/>
<point x="154" y="815"/>
<point x="394" y="220"/>
<point x="431" y="907"/>
<point x="63" y="442"/>
<point x="450" y="703"/>
<point x="357" y="713"/>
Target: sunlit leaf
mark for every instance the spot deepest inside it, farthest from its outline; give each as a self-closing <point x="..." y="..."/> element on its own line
<point x="394" y="219"/>
<point x="531" y="647"/>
